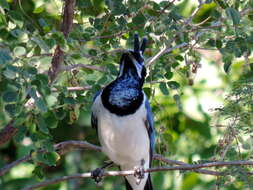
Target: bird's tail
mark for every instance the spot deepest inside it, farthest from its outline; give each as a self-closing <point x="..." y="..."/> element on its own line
<point x="128" y="186"/>
<point x="148" y="185"/>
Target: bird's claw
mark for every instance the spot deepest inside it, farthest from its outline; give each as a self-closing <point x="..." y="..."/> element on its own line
<point x="97" y="175"/>
<point x="139" y="173"/>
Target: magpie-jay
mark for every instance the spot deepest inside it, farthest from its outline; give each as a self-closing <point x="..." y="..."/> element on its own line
<point x="122" y="116"/>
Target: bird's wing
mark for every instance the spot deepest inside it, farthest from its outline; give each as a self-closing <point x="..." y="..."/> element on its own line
<point x="150" y="127"/>
<point x="93" y="114"/>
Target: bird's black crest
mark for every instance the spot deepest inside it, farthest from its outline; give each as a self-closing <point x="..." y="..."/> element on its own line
<point x="140" y="47"/>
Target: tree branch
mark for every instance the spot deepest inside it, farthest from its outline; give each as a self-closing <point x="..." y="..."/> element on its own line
<point x="68" y="15"/>
<point x="175" y="162"/>
<point x="74" y="88"/>
<point x="67" y="146"/>
<point x="187" y="167"/>
<point x="80" y="65"/>
<point x="7" y="133"/>
<point x="61" y="148"/>
<point x="163" y="51"/>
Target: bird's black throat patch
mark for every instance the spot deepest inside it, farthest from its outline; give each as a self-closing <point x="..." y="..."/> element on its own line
<point x="123" y="96"/>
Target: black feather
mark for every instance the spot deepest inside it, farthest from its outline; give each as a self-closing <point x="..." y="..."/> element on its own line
<point x="148" y="185"/>
<point x="128" y="186"/>
<point x="143" y="44"/>
<point x="94" y="122"/>
<point x="136" y="43"/>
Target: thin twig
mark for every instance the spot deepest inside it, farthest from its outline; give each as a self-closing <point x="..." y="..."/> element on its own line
<point x="175" y="162"/>
<point x="7" y="167"/>
<point x="80" y="65"/>
<point x="74" y="88"/>
<point x="66" y="146"/>
<point x="187" y="167"/>
<point x="163" y="51"/>
<point x="61" y="148"/>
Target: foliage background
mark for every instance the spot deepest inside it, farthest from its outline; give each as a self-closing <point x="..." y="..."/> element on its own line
<point x="202" y="113"/>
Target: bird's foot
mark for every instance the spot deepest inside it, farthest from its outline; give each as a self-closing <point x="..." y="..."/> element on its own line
<point x="139" y="172"/>
<point x="97" y="175"/>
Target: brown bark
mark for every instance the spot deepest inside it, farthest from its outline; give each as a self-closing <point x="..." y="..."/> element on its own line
<point x="7" y="133"/>
<point x="66" y="26"/>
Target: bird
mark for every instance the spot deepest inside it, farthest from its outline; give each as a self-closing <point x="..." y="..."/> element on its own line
<point x="123" y="119"/>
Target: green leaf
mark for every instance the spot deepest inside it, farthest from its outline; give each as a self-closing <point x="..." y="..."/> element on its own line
<point x="227" y="66"/>
<point x="159" y="179"/>
<point x="168" y="75"/>
<point x="32" y="93"/>
<point x="19" y="121"/>
<point x="178" y="102"/>
<point x="122" y="21"/>
<point x="246" y="146"/>
<point x="4" y="4"/>
<point x="11" y="109"/>
<point x="51" y="100"/>
<point x="4" y="57"/>
<point x="221" y="3"/>
<point x="174" y="65"/>
<point x="43" y="79"/>
<point x="117" y="7"/>
<point x="60" y="113"/>
<point x="9" y="73"/>
<point x="92" y="52"/>
<point x="112" y="69"/>
<point x="173" y="85"/>
<point x="164" y="89"/>
<point x="59" y="38"/>
<point x="38" y="172"/>
<point x="99" y="5"/>
<point x="175" y="15"/>
<point x="139" y="19"/>
<point x="19" y="51"/>
<point x="218" y="44"/>
<point x="17" y="18"/>
<point x="179" y="58"/>
<point x="41" y="43"/>
<point x="20" y="134"/>
<point x="3" y="22"/>
<point x="48" y="145"/>
<point x="41" y="104"/>
<point x="69" y="100"/>
<point x="251" y="66"/>
<point x="10" y="96"/>
<point x="234" y="15"/>
<point x="52" y="121"/>
<point x="51" y="158"/>
<point x="31" y="70"/>
<point x="39" y="9"/>
<point x="147" y="91"/>
<point x="42" y="125"/>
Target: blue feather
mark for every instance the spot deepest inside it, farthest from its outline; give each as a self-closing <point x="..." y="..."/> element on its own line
<point x="94" y="123"/>
<point x="150" y="127"/>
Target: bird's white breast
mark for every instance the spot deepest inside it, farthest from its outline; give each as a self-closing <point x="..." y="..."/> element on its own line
<point x="123" y="138"/>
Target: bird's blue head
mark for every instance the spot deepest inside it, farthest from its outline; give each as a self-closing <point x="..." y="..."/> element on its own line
<point x="132" y="61"/>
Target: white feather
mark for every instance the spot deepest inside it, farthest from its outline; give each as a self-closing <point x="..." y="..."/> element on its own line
<point x="124" y="139"/>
